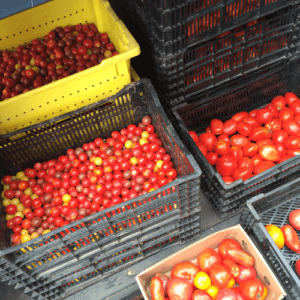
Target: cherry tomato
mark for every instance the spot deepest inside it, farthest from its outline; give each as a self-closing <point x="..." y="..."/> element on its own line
<point x="273" y="109"/>
<point x="253" y="113"/>
<point x="285" y="157"/>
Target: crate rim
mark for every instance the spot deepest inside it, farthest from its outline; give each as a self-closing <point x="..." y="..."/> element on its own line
<point x="197" y="171"/>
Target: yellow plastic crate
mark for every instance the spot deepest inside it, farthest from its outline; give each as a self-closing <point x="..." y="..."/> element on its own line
<point x="77" y="90"/>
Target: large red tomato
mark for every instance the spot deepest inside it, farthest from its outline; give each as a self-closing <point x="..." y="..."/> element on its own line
<point x="226" y="245"/>
<point x="207" y="258"/>
<point x="252" y="121"/>
<point x="245" y="162"/>
<point x="208" y="139"/>
<point x="292" y="128"/>
<point x="290" y="98"/>
<point x="279" y="136"/>
<point x="279" y="102"/>
<point x="245" y="273"/>
<point x="236" y="153"/>
<point x="252" y="289"/>
<point x="244" y="128"/>
<point x="226" y="294"/>
<point x="201" y="295"/>
<point x="186" y="270"/>
<point x="263" y="166"/>
<point x="286" y="114"/>
<point x="239" y="117"/>
<point x="226" y="165"/>
<point x="222" y="147"/>
<point x="242" y="173"/>
<point x="220" y="275"/>
<point x="269" y="153"/>
<point x="239" y="140"/>
<point x="264" y="116"/>
<point x="216" y="127"/>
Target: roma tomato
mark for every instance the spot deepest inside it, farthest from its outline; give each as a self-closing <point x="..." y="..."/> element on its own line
<point x="264" y="142"/>
<point x="208" y="139"/>
<point x="263" y="166"/>
<point x="212" y="158"/>
<point x="228" y="180"/>
<point x="286" y="114"/>
<point x="295" y="107"/>
<point x="293" y="152"/>
<point x="253" y="112"/>
<point x="245" y="162"/>
<point x="269" y="153"/>
<point x="224" y="137"/>
<point x="221" y="148"/>
<point x="238" y="140"/>
<point x="230" y="127"/>
<point x="252" y="121"/>
<point x="208" y="258"/>
<point x="292" y="142"/>
<point x="239" y="117"/>
<point x="202" y="148"/>
<point x="236" y="153"/>
<point x="157" y="288"/>
<point x="226" y="165"/>
<point x="250" y="150"/>
<point x="297" y="119"/>
<point x="244" y="128"/>
<point x="256" y="159"/>
<point x="279" y="102"/>
<point x="252" y="289"/>
<point x="216" y="127"/>
<point x="259" y="133"/>
<point x="290" y="98"/>
<point x="291" y="128"/>
<point x="273" y="109"/>
<point x="245" y="273"/>
<point x="274" y="125"/>
<point x="264" y="116"/>
<point x="281" y="149"/>
<point x="194" y="136"/>
<point x="279" y="136"/>
<point x="242" y="173"/>
<point x="226" y="294"/>
<point x="220" y="275"/>
<point x="285" y="157"/>
<point x="186" y="270"/>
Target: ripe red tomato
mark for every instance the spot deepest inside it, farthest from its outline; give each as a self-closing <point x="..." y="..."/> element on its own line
<point x="179" y="288"/>
<point x="252" y="289"/>
<point x="222" y="147"/>
<point x="292" y="128"/>
<point x="295" y="107"/>
<point x="228" y="180"/>
<point x="269" y="153"/>
<point x="201" y="295"/>
<point x="244" y="128"/>
<point x="258" y="134"/>
<point x="239" y="117"/>
<point x="290" y="98"/>
<point x="285" y="157"/>
<point x="208" y="140"/>
<point x="292" y="142"/>
<point x="226" y="165"/>
<point x="245" y="273"/>
<point x="286" y="114"/>
<point x="252" y="121"/>
<point x="225" y="137"/>
<point x="208" y="258"/>
<point x="39" y="212"/>
<point x="274" y="125"/>
<point x="263" y="166"/>
<point x="228" y="244"/>
<point x="212" y="158"/>
<point x="236" y="153"/>
<point x="238" y="140"/>
<point x="186" y="270"/>
<point x="281" y="149"/>
<point x="250" y="150"/>
<point x="226" y="294"/>
<point x="279" y="136"/>
<point x="279" y="102"/>
<point x="253" y="113"/>
<point x="293" y="152"/>
<point x="216" y="127"/>
<point x="230" y="127"/>
<point x="243" y="173"/>
<point x="273" y="109"/>
<point x="264" y="116"/>
<point x="245" y="162"/>
<point x="202" y="148"/>
<point x="220" y="275"/>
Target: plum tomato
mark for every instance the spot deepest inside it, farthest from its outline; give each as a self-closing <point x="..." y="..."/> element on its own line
<point x="239" y="117"/>
<point x="286" y="114"/>
<point x="222" y="147"/>
<point x="212" y="158"/>
<point x="279" y="102"/>
<point x="208" y="258"/>
<point x="208" y="139"/>
<point x="243" y="173"/>
<point x="239" y="140"/>
<point x="230" y="127"/>
<point x="244" y="128"/>
<point x="228" y="180"/>
<point x="262" y="166"/>
<point x="202" y="148"/>
<point x="264" y="116"/>
<point x="250" y="150"/>
<point x="216" y="127"/>
<point x="194" y="136"/>
<point x="236" y="153"/>
<point x="226" y="165"/>
<point x="290" y="98"/>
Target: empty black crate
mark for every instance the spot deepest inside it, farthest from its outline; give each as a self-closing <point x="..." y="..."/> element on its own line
<point x="105" y="242"/>
<point x="274" y="208"/>
<point x="244" y="94"/>
<point x="177" y="25"/>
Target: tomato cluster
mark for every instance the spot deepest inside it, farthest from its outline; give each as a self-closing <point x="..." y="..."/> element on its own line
<point x="224" y="275"/>
<point x="89" y="179"/>
<point x="251" y="143"/>
<point x="62" y="52"/>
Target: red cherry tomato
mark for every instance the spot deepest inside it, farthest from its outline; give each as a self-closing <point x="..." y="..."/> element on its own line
<point x="292" y="142"/>
<point x="295" y="107"/>
<point x="253" y="113"/>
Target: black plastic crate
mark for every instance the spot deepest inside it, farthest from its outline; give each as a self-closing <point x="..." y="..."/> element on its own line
<point x="181" y="24"/>
<point x="96" y="235"/>
<point x="246" y="93"/>
<point x="274" y="207"/>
